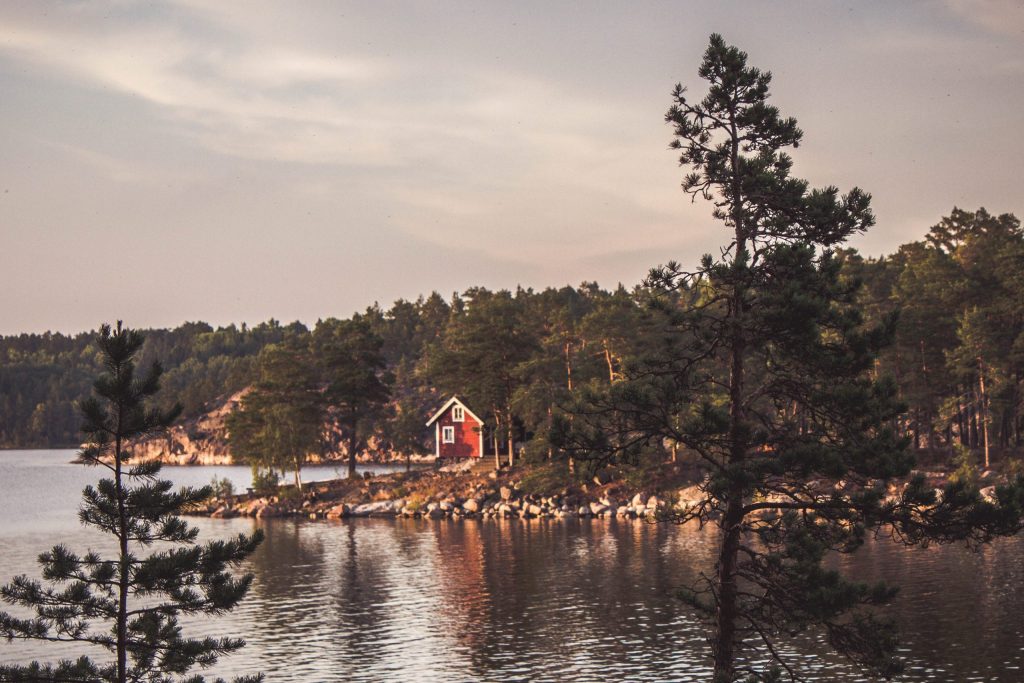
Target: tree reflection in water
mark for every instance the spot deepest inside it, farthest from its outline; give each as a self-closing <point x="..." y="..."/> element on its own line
<point x="407" y="600"/>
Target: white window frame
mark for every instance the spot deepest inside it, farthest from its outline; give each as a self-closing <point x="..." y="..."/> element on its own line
<point x="448" y="434"/>
<point x="458" y="414"/>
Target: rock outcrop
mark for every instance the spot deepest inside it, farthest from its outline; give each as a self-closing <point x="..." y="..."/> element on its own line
<point x="201" y="440"/>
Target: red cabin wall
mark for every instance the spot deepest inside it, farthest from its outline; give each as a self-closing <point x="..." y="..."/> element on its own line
<point x="467" y="437"/>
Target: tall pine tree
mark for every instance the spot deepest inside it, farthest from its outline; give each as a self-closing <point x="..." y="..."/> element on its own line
<point x="766" y="381"/>
<point x="129" y="606"/>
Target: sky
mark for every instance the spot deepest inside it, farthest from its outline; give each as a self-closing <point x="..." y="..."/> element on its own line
<point x="233" y="161"/>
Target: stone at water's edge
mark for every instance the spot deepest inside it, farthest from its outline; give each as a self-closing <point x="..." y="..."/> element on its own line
<point x="338" y="511"/>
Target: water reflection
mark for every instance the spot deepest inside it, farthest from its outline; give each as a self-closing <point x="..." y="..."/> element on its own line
<point x="410" y="600"/>
<point x="583" y="600"/>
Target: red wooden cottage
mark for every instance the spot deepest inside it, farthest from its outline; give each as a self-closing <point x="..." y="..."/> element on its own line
<point x="458" y="433"/>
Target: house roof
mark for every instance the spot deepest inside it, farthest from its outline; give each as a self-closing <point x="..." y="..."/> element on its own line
<point x="452" y="401"/>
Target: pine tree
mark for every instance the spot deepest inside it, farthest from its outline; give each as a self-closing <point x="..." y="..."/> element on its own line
<point x="129" y="606"/>
<point x="357" y="384"/>
<point x="479" y="355"/>
<point x="767" y="382"/>
<point x="279" y="422"/>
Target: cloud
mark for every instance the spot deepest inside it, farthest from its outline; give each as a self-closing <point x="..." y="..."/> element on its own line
<point x="1001" y="17"/>
<point x="252" y="97"/>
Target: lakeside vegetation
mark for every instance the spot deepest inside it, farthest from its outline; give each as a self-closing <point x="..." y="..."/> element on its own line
<point x="957" y="356"/>
<point x="128" y="607"/>
<point x="779" y="380"/>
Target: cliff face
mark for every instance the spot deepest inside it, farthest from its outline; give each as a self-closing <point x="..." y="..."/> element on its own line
<point x="203" y="440"/>
<point x="200" y="440"/>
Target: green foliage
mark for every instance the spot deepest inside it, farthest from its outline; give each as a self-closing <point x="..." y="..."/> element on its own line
<point x="648" y="469"/>
<point x="966" y="471"/>
<point x="222" y="488"/>
<point x="279" y="422"/>
<point x="265" y="480"/>
<point x="129" y="606"/>
<point x="957" y="356"/>
<point x="484" y="342"/>
<point x="356" y="383"/>
<point x="546" y="480"/>
<point x="1015" y="468"/>
<point x="760" y="364"/>
<point x="519" y="357"/>
<point x="43" y="376"/>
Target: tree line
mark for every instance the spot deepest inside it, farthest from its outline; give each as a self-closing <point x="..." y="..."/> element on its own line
<point x="958" y="353"/>
<point x="43" y="376"/>
<point x="516" y="357"/>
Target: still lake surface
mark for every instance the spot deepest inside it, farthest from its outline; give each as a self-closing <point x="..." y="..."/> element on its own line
<point x="426" y="600"/>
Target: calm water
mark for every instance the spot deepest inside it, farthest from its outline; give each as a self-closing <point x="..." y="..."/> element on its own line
<point x="411" y="600"/>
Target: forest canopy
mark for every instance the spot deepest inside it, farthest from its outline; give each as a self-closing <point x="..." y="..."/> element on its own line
<point x="516" y="357"/>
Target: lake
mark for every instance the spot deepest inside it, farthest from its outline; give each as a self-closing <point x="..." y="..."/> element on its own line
<point x="509" y="600"/>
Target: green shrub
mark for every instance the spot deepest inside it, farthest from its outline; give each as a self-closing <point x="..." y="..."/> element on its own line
<point x="222" y="488"/>
<point x="289" y="494"/>
<point x="966" y="471"/>
<point x="545" y="480"/>
<point x="264" y="482"/>
<point x="1014" y="468"/>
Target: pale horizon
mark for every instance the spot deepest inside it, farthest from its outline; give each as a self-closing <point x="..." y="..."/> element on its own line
<point x="235" y="162"/>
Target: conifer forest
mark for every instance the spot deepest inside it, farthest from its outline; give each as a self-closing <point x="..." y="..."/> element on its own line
<point x="957" y="297"/>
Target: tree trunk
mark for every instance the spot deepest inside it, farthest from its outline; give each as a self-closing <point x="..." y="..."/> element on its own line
<point x="551" y="451"/>
<point x="608" y="360"/>
<point x="983" y="405"/>
<point x="916" y="429"/>
<point x="352" y="453"/>
<point x="732" y="524"/>
<point x="728" y="600"/>
<point x="122" y="582"/>
<point x="494" y="441"/>
<point x="961" y="427"/>
<point x="508" y="433"/>
<point x="568" y="366"/>
<point x="973" y="412"/>
<point x="1016" y="411"/>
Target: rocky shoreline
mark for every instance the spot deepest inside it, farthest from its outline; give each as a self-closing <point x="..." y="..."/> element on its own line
<point x="506" y="503"/>
<point x="539" y="493"/>
<point x="524" y="493"/>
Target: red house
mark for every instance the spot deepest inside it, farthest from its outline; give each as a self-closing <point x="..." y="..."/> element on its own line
<point x="458" y="433"/>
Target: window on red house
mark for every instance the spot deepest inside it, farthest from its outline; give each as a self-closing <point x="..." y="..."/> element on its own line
<point x="448" y="434"/>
